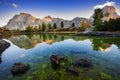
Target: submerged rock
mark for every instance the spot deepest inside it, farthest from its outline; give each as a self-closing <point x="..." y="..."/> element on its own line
<point x="73" y="72"/>
<point x="56" y="62"/>
<point x="19" y="68"/>
<point x="84" y="63"/>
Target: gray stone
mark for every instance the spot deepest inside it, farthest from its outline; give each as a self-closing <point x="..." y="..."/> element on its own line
<point x="84" y="63"/>
<point x="3" y="45"/>
<point x="19" y="68"/>
<point x="73" y="71"/>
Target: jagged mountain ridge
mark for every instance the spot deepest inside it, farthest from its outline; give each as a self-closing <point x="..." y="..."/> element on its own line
<point x="22" y="20"/>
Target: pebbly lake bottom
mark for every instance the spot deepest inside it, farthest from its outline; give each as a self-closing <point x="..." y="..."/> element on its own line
<point x="36" y="49"/>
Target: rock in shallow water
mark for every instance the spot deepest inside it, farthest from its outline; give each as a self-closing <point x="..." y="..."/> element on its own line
<point x="84" y="63"/>
<point x="73" y="71"/>
<point x="56" y="62"/>
<point x="3" y="45"/>
<point x="19" y="68"/>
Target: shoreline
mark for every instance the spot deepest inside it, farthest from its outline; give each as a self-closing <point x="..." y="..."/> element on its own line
<point x="100" y="34"/>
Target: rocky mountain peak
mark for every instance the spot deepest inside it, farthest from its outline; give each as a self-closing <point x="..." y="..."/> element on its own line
<point x="109" y="12"/>
<point x="109" y="9"/>
<point x="26" y="15"/>
<point x="47" y="18"/>
<point x="20" y="21"/>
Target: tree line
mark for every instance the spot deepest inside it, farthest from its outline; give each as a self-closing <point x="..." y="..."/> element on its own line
<point x="50" y="27"/>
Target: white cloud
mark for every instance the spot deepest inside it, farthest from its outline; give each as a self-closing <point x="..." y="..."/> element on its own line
<point x="14" y="5"/>
<point x="108" y="3"/>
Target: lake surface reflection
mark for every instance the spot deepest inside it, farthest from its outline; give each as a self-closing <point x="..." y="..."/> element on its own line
<point x="36" y="49"/>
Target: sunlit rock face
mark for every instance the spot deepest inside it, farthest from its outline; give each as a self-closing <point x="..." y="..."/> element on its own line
<point x="22" y="20"/>
<point x="47" y="18"/>
<point x="109" y="12"/>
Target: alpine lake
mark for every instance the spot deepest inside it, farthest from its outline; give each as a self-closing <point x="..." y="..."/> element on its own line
<point x="36" y="50"/>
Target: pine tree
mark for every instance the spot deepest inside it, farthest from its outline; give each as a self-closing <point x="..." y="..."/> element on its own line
<point x="62" y="25"/>
<point x="98" y="19"/>
<point x="29" y="28"/>
<point x="43" y="26"/>
<point x="73" y="25"/>
<point x="54" y="26"/>
<point x="49" y="26"/>
<point x="39" y="28"/>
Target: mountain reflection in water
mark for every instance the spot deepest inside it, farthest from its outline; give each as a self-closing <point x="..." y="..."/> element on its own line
<point x="30" y="41"/>
<point x="36" y="49"/>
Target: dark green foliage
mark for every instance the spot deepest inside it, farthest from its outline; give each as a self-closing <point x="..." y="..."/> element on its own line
<point x="39" y="28"/>
<point x="111" y="25"/>
<point x="62" y="25"/>
<point x="54" y="26"/>
<point x="49" y="26"/>
<point x="98" y="19"/>
<point x="73" y="25"/>
<point x="29" y="29"/>
<point x="43" y="26"/>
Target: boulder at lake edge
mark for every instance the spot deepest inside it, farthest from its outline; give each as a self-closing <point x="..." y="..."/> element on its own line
<point x="3" y="45"/>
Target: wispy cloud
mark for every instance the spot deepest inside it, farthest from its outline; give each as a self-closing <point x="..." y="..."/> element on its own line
<point x="14" y="5"/>
<point x="108" y="3"/>
<point x="5" y="3"/>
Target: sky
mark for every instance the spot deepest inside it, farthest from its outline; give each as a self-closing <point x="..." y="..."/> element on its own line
<point x="66" y="9"/>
